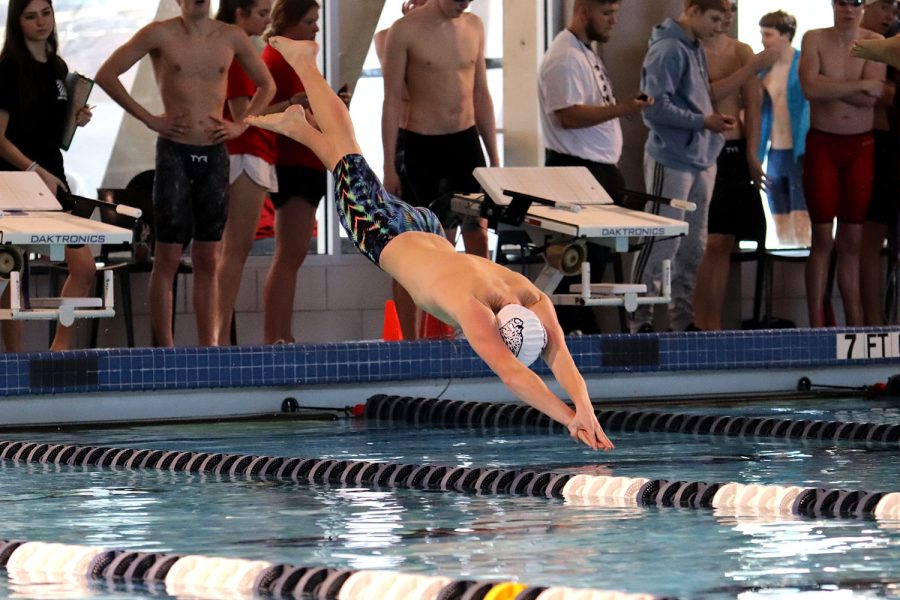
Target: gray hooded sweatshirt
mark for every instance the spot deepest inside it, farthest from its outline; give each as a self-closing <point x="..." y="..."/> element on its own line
<point x="676" y="76"/>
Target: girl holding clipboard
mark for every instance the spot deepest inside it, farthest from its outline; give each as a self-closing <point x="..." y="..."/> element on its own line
<point x="34" y="104"/>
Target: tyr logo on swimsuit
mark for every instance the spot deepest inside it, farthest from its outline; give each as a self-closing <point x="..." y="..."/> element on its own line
<point x="198" y="158"/>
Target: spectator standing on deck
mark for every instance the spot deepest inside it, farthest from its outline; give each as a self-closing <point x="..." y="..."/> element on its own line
<point x="681" y="151"/>
<point x="436" y="54"/>
<point x="302" y="179"/>
<point x="735" y="210"/>
<point x="191" y="56"/>
<point x="785" y="123"/>
<point x="838" y="170"/>
<point x="880" y="16"/>
<point x="34" y="103"/>
<point x="252" y="166"/>
<point x="580" y="120"/>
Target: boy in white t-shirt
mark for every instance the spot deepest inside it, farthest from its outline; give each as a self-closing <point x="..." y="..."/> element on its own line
<point x="580" y="120"/>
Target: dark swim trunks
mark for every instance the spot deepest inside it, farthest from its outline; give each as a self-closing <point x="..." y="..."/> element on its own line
<point x="190" y="192"/>
<point x="736" y="208"/>
<point x="838" y="176"/>
<point x="883" y="207"/>
<point x="372" y="216"/>
<point x="304" y="183"/>
<point x="434" y="166"/>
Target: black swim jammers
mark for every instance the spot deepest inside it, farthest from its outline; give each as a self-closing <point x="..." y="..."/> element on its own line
<point x="190" y="192"/>
<point x="372" y="216"/>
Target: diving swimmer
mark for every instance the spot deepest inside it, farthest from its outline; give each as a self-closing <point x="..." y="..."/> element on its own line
<point x="408" y="244"/>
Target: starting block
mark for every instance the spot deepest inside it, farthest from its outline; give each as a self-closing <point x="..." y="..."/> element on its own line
<point x="33" y="222"/>
<point x="562" y="208"/>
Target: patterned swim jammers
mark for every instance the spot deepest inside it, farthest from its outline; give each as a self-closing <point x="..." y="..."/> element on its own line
<point x="372" y="216"/>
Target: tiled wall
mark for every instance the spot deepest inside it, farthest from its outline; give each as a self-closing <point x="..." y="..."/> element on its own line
<point x="147" y="369"/>
<point x="337" y="299"/>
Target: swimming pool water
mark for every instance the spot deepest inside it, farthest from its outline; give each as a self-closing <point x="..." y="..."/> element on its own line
<point x="665" y="551"/>
<point x="868" y="410"/>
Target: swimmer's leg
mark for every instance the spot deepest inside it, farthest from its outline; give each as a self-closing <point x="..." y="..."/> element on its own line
<point x="330" y="111"/>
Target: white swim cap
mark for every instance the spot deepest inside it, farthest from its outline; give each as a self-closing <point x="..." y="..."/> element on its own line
<point x="522" y="332"/>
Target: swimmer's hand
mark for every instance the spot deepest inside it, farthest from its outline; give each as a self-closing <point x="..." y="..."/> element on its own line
<point x="223" y="130"/>
<point x="719" y="123"/>
<point x="757" y="173"/>
<point x="872" y="87"/>
<point x="169" y="126"/>
<point x="585" y="428"/>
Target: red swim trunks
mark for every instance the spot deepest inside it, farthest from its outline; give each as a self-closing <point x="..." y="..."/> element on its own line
<point x="838" y="176"/>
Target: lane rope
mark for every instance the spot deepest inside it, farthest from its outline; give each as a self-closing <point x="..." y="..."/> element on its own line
<point x="576" y="489"/>
<point x="36" y="563"/>
<point x="432" y="411"/>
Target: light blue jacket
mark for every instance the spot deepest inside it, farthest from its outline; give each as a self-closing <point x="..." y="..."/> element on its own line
<point x="798" y="107"/>
<point x="676" y="76"/>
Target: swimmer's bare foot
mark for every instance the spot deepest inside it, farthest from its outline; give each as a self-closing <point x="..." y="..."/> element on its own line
<point x="295" y="51"/>
<point x="291" y="123"/>
<point x="867" y="49"/>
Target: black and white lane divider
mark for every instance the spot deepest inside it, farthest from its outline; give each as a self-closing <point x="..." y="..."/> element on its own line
<point x="430" y="411"/>
<point x="212" y="577"/>
<point x="581" y="489"/>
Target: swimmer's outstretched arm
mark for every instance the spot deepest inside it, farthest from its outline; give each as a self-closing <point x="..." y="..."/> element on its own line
<point x="881" y="50"/>
<point x="480" y="328"/>
<point x="560" y="361"/>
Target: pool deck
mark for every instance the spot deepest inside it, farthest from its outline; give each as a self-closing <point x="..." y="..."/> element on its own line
<point x="164" y="384"/>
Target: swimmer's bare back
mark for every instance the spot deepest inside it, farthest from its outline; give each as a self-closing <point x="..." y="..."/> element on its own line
<point x="439" y="278"/>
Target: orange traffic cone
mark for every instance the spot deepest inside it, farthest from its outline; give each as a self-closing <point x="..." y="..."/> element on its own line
<point x="390" y="329"/>
<point x="433" y="328"/>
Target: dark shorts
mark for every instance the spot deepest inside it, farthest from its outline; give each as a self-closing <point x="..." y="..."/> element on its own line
<point x="305" y="183"/>
<point x="838" y="176"/>
<point x="736" y="207"/>
<point x="435" y="166"/>
<point x="883" y="207"/>
<point x="190" y="192"/>
<point x="372" y="216"/>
